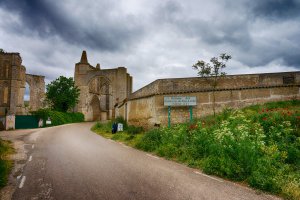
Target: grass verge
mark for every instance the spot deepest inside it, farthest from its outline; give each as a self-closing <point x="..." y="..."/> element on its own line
<point x="130" y="136"/>
<point x="5" y="164"/>
<point x="258" y="145"/>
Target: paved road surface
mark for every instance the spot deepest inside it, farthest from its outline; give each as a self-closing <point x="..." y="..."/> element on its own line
<point x="71" y="162"/>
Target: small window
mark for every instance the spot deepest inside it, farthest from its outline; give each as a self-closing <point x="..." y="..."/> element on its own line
<point x="288" y="80"/>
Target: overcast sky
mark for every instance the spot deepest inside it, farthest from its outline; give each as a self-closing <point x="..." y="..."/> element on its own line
<point x="152" y="38"/>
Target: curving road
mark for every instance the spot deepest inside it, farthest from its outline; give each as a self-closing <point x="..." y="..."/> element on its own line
<point x="71" y="162"/>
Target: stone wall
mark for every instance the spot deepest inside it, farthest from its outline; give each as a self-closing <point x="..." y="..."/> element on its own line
<point x="146" y="107"/>
<point x="13" y="78"/>
<point x="37" y="91"/>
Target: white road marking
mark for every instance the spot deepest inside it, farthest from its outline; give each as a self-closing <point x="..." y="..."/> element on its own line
<point x="22" y="182"/>
<point x="30" y="158"/>
<point x="152" y="156"/>
<point x="32" y="146"/>
<point x="196" y="172"/>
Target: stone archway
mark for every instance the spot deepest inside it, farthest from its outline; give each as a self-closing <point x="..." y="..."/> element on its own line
<point x="100" y="86"/>
<point x="109" y="85"/>
<point x="95" y="105"/>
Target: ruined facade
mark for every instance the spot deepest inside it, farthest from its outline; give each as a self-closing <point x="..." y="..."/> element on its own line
<point x="145" y="107"/>
<point x="100" y="89"/>
<point x="13" y="79"/>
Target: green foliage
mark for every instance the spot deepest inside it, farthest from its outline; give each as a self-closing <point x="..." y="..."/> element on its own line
<point x="134" y="130"/>
<point x="151" y="140"/>
<point x="122" y="121"/>
<point x="259" y="145"/>
<point x="103" y="127"/>
<point x="129" y="136"/>
<point x="5" y="165"/>
<point x="213" y="70"/>
<point x="62" y="94"/>
<point x="59" y="118"/>
<point x="2" y="51"/>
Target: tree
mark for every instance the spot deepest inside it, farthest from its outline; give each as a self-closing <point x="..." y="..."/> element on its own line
<point x="2" y="51"/>
<point x="62" y="94"/>
<point x="212" y="71"/>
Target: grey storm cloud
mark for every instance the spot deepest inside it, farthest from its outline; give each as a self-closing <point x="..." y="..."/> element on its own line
<point x="276" y="9"/>
<point x="48" y="19"/>
<point x="235" y="32"/>
<point x="154" y="39"/>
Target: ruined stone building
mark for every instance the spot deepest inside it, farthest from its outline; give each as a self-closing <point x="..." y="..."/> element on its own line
<point x="13" y="79"/>
<point x="107" y="93"/>
<point x="100" y="89"/>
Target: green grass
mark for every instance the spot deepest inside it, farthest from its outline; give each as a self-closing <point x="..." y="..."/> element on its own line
<point x="130" y="136"/>
<point x="258" y="145"/>
<point x="5" y="164"/>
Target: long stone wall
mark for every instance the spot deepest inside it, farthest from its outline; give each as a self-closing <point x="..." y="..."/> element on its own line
<point x="146" y="108"/>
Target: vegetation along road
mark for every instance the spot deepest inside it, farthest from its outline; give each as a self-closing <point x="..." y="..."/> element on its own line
<point x="72" y="162"/>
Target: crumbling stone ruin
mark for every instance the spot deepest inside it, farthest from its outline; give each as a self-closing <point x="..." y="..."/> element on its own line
<point x="100" y="89"/>
<point x="107" y="93"/>
<point x="13" y="79"/>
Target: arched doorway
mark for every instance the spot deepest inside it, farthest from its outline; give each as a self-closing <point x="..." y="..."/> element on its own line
<point x="100" y="87"/>
<point x="95" y="105"/>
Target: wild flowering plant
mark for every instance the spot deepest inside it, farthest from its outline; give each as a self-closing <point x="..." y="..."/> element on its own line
<point x="238" y="128"/>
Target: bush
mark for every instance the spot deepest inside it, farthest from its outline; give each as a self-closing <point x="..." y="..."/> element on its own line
<point x="150" y="141"/>
<point x="122" y="121"/>
<point x="106" y="127"/>
<point x="259" y="145"/>
<point x="134" y="130"/>
<point x="58" y="118"/>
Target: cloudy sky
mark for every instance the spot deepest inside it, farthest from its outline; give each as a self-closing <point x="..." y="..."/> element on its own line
<point x="152" y="38"/>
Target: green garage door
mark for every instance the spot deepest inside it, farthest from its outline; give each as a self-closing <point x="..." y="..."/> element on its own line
<point x="26" y="121"/>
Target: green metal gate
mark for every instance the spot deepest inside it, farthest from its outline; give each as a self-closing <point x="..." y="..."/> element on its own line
<point x="26" y="121"/>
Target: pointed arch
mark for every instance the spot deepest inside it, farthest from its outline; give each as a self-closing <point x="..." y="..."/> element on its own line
<point x="95" y="105"/>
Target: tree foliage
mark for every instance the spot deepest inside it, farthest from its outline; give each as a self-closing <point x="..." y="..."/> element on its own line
<point x="212" y="71"/>
<point x="2" y="51"/>
<point x="62" y="94"/>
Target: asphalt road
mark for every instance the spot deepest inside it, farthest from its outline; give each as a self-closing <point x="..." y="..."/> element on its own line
<point x="71" y="162"/>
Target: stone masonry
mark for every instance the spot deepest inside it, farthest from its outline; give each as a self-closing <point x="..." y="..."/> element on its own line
<point x="100" y="89"/>
<point x="13" y="78"/>
<point x="145" y="107"/>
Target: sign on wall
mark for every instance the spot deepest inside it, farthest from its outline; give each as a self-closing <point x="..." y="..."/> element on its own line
<point x="180" y="101"/>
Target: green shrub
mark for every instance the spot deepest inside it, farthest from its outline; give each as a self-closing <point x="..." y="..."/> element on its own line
<point x="259" y="145"/>
<point x="106" y="127"/>
<point x="134" y="130"/>
<point x="122" y="121"/>
<point x="150" y="141"/>
<point x="58" y="118"/>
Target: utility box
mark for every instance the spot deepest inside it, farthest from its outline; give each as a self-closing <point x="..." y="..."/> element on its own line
<point x="120" y="127"/>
